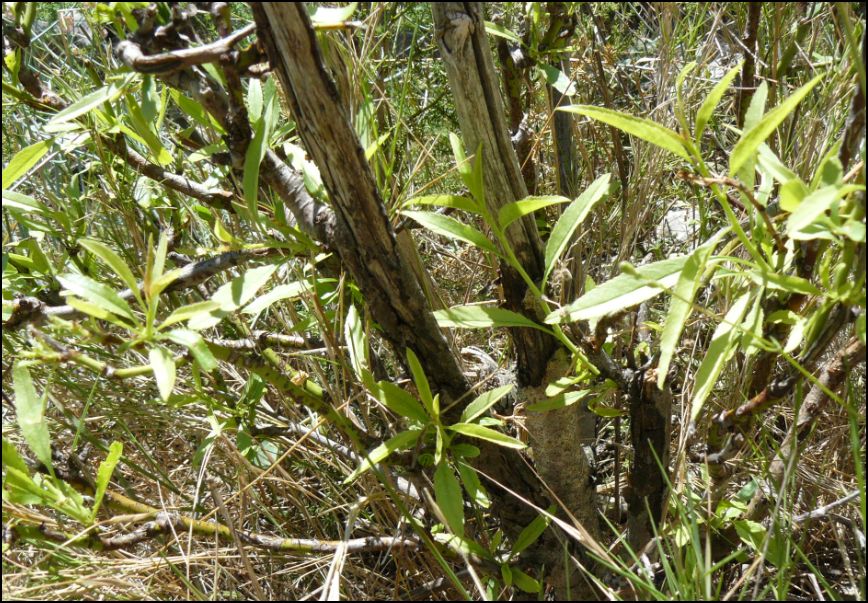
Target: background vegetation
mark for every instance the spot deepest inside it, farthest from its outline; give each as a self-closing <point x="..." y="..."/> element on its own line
<point x="204" y="395"/>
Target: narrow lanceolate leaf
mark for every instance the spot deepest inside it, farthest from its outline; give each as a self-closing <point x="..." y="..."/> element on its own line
<point x="115" y="262"/>
<point x="421" y="382"/>
<point x="722" y="342"/>
<point x="750" y="140"/>
<point x="482" y="317"/>
<point x="483" y="402"/>
<point x="484" y="433"/>
<point x="645" y="129"/>
<point x="233" y="295"/>
<point x="189" y="311"/>
<point x="453" y="201"/>
<point x="447" y="493"/>
<point x="532" y="531"/>
<point x="354" y="336"/>
<point x="29" y="410"/>
<point x="713" y="99"/>
<point x="96" y="293"/>
<point x="400" y="402"/>
<point x="23" y="160"/>
<point x="104" y="475"/>
<point x="623" y="291"/>
<point x="163" y="366"/>
<point x="197" y="346"/>
<point x="452" y="228"/>
<point x="816" y="204"/>
<point x="472" y="485"/>
<point x="279" y="293"/>
<point x="680" y="307"/>
<point x="570" y="220"/>
<point x="89" y="102"/>
<point x="511" y="212"/>
<point x="402" y="441"/>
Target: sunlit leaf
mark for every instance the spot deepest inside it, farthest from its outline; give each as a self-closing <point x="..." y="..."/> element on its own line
<point x="452" y="228"/>
<point x="481" y="317"/>
<point x="571" y="219"/>
<point x="104" y="475"/>
<point x="402" y="441"/>
<point x="23" y="160"/>
<point x="511" y="212"/>
<point x="447" y="493"/>
<point x="713" y="99"/>
<point x="722" y="342"/>
<point x="483" y="402"/>
<point x="96" y="293"/>
<point x="750" y="140"/>
<point x="29" y="409"/>
<point x="163" y="365"/>
<point x="645" y="129"/>
<point x="484" y="433"/>
<point x="623" y="291"/>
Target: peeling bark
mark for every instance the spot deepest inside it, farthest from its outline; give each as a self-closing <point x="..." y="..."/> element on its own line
<point x="363" y="236"/>
<point x="460" y="33"/>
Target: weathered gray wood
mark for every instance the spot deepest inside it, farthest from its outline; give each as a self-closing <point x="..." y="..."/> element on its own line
<point x="460" y="33"/>
<point x="363" y="236"/>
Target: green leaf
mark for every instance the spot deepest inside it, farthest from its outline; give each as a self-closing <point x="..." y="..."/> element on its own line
<point x="623" y="291"/>
<point x="472" y="485"/>
<point x="12" y="459"/>
<point x="453" y="201"/>
<point x="23" y="160"/>
<point x="331" y="16"/>
<point x="483" y="402"/>
<point x="279" y="293"/>
<point x="232" y="295"/>
<point x="481" y="317"/>
<point x="792" y="193"/>
<point x="680" y="307"/>
<point x="452" y="228"/>
<point x="422" y="384"/>
<point x="525" y="582"/>
<point x="163" y="365"/>
<point x="447" y="493"/>
<point x="402" y="441"/>
<point x="532" y="531"/>
<point x="719" y="351"/>
<point x="511" y="212"/>
<point x="757" y="106"/>
<point x="197" y="346"/>
<point x="89" y="102"/>
<point x="29" y="409"/>
<point x="484" y="433"/>
<point x="770" y="162"/>
<point x="816" y="204"/>
<point x="559" y="401"/>
<point x="502" y="32"/>
<point x="252" y="159"/>
<point x="400" y="402"/>
<point x="96" y="293"/>
<point x="713" y="99"/>
<point x="113" y="261"/>
<point x="570" y="220"/>
<point x="189" y="311"/>
<point x="746" y="147"/>
<point x="784" y="282"/>
<point x="645" y="129"/>
<point x="558" y="80"/>
<point x="354" y="335"/>
<point x="104" y="475"/>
